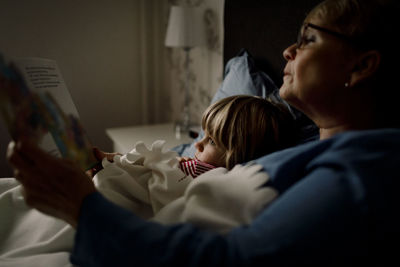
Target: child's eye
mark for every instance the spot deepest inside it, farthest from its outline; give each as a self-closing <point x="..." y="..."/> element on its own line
<point x="211" y="142"/>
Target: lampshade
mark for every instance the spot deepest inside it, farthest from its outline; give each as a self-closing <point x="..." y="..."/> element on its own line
<point x="185" y="27"/>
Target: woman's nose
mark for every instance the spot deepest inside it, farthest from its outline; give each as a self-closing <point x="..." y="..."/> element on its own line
<point x="290" y="52"/>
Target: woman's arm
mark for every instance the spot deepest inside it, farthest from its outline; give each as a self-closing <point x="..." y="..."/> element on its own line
<point x="306" y="225"/>
<point x="52" y="185"/>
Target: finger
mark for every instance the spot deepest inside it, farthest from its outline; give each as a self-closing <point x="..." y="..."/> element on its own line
<point x="101" y="154"/>
<point x="18" y="176"/>
<point x="90" y="173"/>
<point x="10" y="149"/>
<point x="25" y="169"/>
<point x="35" y="155"/>
<point x="110" y="156"/>
<point x="30" y="150"/>
<point x="183" y="159"/>
<point x="17" y="160"/>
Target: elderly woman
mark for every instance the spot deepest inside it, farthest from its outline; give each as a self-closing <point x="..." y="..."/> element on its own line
<point x="338" y="196"/>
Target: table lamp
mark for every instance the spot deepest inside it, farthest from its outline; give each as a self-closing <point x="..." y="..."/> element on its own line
<point x="185" y="30"/>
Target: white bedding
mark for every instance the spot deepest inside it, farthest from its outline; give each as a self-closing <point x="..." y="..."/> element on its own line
<point x="28" y="237"/>
<point x="145" y="181"/>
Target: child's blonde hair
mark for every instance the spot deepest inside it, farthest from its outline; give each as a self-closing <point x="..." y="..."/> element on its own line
<point x="248" y="127"/>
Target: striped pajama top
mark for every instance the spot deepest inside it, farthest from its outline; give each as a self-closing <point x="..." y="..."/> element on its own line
<point x="194" y="167"/>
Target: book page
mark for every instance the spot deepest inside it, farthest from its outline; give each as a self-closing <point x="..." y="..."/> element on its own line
<point x="36" y="104"/>
<point x="43" y="75"/>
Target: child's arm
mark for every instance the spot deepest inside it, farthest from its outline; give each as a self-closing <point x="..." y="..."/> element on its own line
<point x="100" y="155"/>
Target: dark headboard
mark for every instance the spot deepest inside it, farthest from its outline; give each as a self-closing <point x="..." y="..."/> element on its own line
<point x="265" y="28"/>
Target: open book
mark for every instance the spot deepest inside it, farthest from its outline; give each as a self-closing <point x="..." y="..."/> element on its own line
<point x="36" y="104"/>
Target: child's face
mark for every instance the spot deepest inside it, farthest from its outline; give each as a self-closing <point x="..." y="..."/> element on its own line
<point x="209" y="152"/>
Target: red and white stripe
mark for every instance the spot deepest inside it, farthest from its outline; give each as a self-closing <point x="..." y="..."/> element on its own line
<point x="195" y="167"/>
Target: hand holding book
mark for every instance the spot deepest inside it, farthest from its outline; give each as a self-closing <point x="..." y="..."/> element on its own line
<point x="36" y="105"/>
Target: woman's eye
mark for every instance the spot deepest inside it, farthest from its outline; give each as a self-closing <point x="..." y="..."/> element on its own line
<point x="308" y="39"/>
<point x="305" y="39"/>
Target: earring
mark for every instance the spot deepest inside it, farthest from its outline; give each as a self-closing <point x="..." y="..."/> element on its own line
<point x="346" y="85"/>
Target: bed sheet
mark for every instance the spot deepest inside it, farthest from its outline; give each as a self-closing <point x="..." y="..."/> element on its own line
<point x="28" y="237"/>
<point x="146" y="181"/>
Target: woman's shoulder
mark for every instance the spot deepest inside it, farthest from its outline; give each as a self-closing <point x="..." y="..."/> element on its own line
<point x="367" y="153"/>
<point x="387" y="137"/>
<point x="350" y="151"/>
<point x="367" y="141"/>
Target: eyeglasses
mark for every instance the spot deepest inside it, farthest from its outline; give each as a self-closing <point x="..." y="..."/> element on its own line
<point x="301" y="38"/>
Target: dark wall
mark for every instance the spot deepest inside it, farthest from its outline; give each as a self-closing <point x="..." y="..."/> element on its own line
<point x="265" y="28"/>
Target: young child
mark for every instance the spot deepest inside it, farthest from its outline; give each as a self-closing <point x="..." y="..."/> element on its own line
<point x="238" y="129"/>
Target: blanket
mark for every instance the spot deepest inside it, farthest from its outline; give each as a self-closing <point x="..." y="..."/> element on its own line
<point x="146" y="181"/>
<point x="28" y="237"/>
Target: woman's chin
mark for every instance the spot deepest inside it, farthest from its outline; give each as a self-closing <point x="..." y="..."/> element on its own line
<point x="285" y="92"/>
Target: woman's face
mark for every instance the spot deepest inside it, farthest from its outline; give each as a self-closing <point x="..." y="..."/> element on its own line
<point x="316" y="73"/>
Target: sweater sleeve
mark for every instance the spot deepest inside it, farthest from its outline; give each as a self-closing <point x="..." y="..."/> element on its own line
<point x="108" y="235"/>
<point x="306" y="225"/>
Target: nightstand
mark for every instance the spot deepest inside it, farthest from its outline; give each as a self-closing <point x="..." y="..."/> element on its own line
<point x="124" y="138"/>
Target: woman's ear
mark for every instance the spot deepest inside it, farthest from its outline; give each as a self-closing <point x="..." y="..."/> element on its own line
<point x="366" y="66"/>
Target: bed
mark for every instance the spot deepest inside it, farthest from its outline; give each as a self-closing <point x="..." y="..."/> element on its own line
<point x="264" y="29"/>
